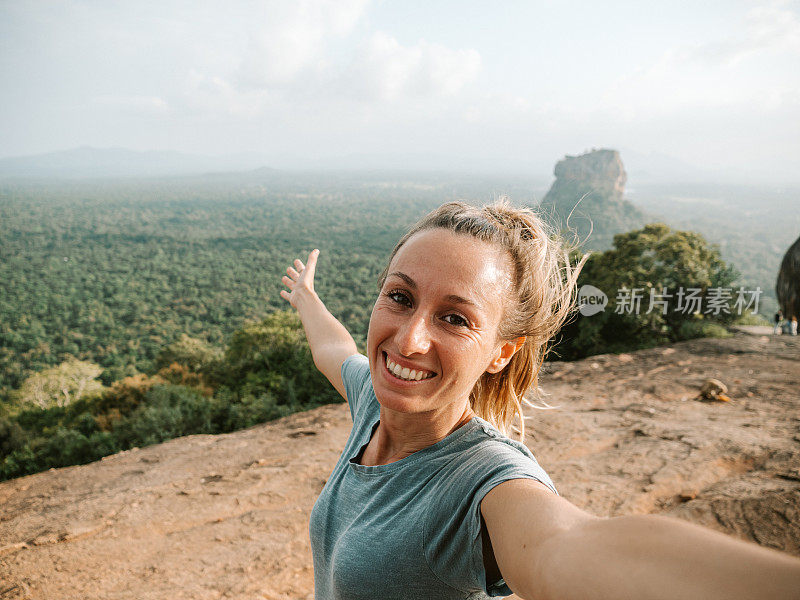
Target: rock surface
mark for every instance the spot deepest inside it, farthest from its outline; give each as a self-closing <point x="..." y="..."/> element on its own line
<point x="227" y="516"/>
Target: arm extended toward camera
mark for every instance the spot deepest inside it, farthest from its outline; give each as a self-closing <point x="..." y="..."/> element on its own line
<point x="328" y="339"/>
<point x="547" y="548"/>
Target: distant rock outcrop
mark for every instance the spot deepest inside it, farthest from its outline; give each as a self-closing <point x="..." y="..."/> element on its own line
<point x="587" y="197"/>
<point x="788" y="285"/>
<point x="600" y="169"/>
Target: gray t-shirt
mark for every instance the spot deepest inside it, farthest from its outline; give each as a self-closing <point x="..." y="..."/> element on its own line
<point x="410" y="529"/>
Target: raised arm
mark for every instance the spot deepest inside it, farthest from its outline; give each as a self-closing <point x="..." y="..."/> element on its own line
<point x="547" y="548"/>
<point x="329" y="341"/>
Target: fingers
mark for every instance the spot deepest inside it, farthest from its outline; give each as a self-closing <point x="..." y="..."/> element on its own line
<point x="298" y="273"/>
<point x="312" y="262"/>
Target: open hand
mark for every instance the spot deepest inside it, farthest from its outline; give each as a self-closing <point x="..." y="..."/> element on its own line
<point x="300" y="279"/>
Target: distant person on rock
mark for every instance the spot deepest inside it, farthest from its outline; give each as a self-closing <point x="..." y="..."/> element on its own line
<point x="793" y="326"/>
<point x="431" y="498"/>
<point x="778" y="319"/>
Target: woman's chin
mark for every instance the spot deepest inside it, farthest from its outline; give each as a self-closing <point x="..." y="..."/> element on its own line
<point x="398" y="400"/>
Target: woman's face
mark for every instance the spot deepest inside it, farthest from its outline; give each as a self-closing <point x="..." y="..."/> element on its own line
<point x="437" y="319"/>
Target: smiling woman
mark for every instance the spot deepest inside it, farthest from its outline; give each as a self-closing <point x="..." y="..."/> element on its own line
<point x="419" y="322"/>
<point x="431" y="498"/>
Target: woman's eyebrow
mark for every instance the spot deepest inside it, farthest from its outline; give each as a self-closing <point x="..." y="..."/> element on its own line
<point x="405" y="278"/>
<point x="455" y="298"/>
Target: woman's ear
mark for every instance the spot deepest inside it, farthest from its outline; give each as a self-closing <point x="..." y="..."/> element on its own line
<point x="504" y="353"/>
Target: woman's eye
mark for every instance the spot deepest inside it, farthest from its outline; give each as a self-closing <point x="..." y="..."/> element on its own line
<point x="456" y="320"/>
<point x="399" y="298"/>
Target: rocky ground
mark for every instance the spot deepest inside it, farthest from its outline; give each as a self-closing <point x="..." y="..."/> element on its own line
<point x="227" y="516"/>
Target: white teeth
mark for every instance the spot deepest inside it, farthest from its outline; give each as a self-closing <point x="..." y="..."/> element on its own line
<point x="405" y="372"/>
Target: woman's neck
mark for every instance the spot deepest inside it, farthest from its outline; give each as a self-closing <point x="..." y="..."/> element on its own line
<point x="401" y="434"/>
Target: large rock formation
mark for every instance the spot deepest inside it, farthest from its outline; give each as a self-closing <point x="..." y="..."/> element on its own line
<point x="788" y="285"/>
<point x="587" y="198"/>
<point x="601" y="169"/>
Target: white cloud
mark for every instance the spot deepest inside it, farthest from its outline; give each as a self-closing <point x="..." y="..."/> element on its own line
<point x="290" y="72"/>
<point x="215" y="95"/>
<point x="288" y="38"/>
<point x="772" y="28"/>
<point x="731" y="73"/>
<point x="385" y="70"/>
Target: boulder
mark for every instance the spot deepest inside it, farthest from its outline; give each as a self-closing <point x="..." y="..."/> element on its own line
<point x="788" y="285"/>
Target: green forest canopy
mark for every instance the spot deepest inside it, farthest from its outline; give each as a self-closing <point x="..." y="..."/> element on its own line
<point x="113" y="271"/>
<point x="135" y="312"/>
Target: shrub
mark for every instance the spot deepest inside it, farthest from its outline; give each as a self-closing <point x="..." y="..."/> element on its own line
<point x="180" y="375"/>
<point x="697" y="329"/>
<point x="169" y="411"/>
<point x="652" y="258"/>
<point x="12" y="436"/>
<point x="273" y="356"/>
<point x="196" y="355"/>
<point x="128" y="394"/>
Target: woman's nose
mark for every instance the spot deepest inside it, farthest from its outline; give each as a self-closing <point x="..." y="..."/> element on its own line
<point x="413" y="337"/>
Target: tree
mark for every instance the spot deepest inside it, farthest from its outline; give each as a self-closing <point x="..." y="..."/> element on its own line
<point x="61" y="385"/>
<point x="194" y="354"/>
<point x="648" y="277"/>
<point x="273" y="356"/>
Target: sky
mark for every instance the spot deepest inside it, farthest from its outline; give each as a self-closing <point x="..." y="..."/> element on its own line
<point x="490" y="85"/>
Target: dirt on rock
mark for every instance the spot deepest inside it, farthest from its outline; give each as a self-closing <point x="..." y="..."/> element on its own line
<point x="227" y="516"/>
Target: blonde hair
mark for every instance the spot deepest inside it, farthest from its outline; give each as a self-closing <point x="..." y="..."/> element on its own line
<point x="544" y="286"/>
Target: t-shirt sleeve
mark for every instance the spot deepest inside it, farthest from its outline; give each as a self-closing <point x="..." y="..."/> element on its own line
<point x="357" y="381"/>
<point x="453" y="544"/>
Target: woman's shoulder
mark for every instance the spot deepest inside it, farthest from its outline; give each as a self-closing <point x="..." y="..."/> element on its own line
<point x="487" y="456"/>
<point x="355" y="368"/>
<point x="495" y="441"/>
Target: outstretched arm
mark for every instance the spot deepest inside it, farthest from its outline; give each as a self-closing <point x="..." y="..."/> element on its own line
<point x="329" y="341"/>
<point x="547" y="548"/>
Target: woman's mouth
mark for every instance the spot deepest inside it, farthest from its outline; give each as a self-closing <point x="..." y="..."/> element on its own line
<point x="404" y="373"/>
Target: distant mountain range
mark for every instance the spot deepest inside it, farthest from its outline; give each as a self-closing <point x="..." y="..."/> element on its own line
<point x="88" y="162"/>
